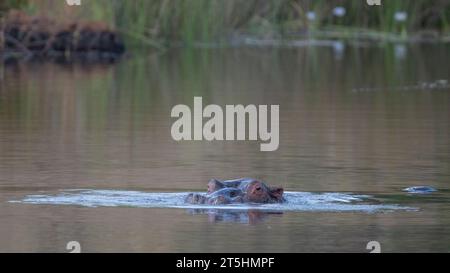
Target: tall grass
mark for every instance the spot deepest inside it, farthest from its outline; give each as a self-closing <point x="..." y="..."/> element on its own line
<point x="189" y="21"/>
<point x="8" y="4"/>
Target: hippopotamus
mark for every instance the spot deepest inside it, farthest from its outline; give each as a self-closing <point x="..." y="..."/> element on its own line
<point x="244" y="190"/>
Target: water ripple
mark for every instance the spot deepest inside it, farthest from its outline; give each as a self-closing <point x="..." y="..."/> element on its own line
<point x="295" y="201"/>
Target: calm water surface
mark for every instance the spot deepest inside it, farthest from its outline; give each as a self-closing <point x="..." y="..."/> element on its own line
<point x="362" y="120"/>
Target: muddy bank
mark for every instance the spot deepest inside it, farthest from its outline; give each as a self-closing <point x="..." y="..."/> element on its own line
<point x="24" y="36"/>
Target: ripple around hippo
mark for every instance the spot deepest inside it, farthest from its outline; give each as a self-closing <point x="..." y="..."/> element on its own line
<point x="295" y="201"/>
<point x="420" y="190"/>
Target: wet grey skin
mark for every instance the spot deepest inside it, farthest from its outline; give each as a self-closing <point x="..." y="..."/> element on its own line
<point x="225" y="196"/>
<point x="219" y="197"/>
<point x="215" y="184"/>
<point x="241" y="184"/>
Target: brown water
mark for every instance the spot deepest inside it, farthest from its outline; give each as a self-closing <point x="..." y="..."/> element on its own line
<point x="354" y="121"/>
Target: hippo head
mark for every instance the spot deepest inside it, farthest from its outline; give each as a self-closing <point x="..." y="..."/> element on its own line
<point x="258" y="192"/>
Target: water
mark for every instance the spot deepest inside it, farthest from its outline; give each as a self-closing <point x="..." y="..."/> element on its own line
<point x="359" y="122"/>
<point x="295" y="201"/>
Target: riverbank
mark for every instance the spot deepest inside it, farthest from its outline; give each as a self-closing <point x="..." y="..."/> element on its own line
<point x="25" y="36"/>
<point x="162" y="23"/>
<point x="165" y="24"/>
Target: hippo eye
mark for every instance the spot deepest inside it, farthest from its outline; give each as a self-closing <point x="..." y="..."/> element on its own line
<point x="258" y="188"/>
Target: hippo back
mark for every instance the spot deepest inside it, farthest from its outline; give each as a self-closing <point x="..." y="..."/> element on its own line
<point x="238" y="183"/>
<point x="227" y="192"/>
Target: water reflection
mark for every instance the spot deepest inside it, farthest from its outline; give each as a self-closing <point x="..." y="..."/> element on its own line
<point x="251" y="217"/>
<point x="108" y="127"/>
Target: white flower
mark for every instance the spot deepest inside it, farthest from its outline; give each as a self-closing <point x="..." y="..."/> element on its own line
<point x="400" y="51"/>
<point x="339" y="11"/>
<point x="400" y="16"/>
<point x="311" y="15"/>
<point x="338" y="46"/>
<point x="339" y="49"/>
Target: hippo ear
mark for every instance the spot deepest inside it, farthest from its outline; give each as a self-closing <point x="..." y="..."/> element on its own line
<point x="277" y="193"/>
<point x="214" y="185"/>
